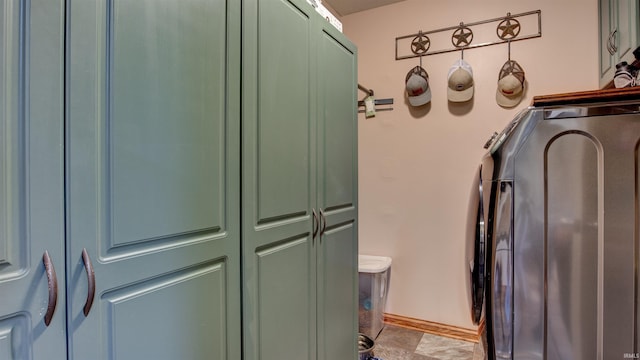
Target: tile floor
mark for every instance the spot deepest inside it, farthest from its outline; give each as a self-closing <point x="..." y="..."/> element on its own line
<point x="396" y="343"/>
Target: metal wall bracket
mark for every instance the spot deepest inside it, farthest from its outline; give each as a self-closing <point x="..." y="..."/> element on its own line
<point x="508" y="29"/>
<point x="376" y="101"/>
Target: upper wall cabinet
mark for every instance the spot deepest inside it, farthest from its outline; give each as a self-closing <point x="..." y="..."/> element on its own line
<point x="299" y="185"/>
<point x="619" y="27"/>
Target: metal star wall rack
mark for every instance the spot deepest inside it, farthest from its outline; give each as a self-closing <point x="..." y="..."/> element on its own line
<point x="507" y="29"/>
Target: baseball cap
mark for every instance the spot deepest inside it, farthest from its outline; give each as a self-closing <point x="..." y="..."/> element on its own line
<point x="510" y="84"/>
<point x="417" y="84"/>
<point x="460" y="80"/>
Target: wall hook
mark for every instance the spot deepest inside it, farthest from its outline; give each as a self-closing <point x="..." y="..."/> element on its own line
<point x="462" y="36"/>
<point x="508" y="28"/>
<point x="420" y="44"/>
<point x="368" y="91"/>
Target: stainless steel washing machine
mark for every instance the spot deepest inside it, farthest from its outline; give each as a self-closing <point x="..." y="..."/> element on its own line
<point x="553" y="231"/>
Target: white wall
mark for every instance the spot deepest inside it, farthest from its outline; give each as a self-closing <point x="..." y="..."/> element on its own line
<point x="416" y="165"/>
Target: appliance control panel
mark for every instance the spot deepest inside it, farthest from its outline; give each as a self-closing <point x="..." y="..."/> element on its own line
<point x="497" y="139"/>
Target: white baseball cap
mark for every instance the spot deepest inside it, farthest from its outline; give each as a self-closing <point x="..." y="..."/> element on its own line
<point x="460" y="79"/>
<point x="417" y="85"/>
<point x="510" y="84"/>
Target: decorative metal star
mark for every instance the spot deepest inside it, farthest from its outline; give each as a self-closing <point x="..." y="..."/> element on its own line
<point x="508" y="29"/>
<point x="420" y="44"/>
<point x="462" y="37"/>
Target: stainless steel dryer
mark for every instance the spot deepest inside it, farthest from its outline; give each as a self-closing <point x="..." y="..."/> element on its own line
<point x="553" y="231"/>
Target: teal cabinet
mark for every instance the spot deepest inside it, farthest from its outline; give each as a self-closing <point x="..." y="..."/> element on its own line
<point x="619" y="35"/>
<point x="134" y="193"/>
<point x="122" y="162"/>
<point x="299" y="208"/>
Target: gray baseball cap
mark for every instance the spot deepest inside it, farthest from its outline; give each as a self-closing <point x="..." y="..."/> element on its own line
<point x="417" y="85"/>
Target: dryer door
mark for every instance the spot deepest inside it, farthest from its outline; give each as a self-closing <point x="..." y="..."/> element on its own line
<point x="475" y="249"/>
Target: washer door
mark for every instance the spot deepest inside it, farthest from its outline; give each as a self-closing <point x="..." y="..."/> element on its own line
<point x="475" y="254"/>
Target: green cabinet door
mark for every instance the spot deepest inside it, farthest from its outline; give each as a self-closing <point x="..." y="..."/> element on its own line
<point x="337" y="196"/>
<point x="299" y="288"/>
<point x="153" y="179"/>
<point x="31" y="186"/>
<point x="278" y="181"/>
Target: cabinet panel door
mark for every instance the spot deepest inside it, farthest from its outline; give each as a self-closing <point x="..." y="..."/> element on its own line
<point x="627" y="20"/>
<point x="337" y="196"/>
<point x="153" y="178"/>
<point x="278" y="181"/>
<point x="337" y="124"/>
<point x="337" y="300"/>
<point x="31" y="181"/>
<point x="607" y="67"/>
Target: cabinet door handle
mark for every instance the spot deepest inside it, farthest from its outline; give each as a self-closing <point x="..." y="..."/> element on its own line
<point x="323" y="221"/>
<point x="315" y="224"/>
<point x="52" y="284"/>
<point x="91" y="282"/>
<point x="611" y="44"/>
